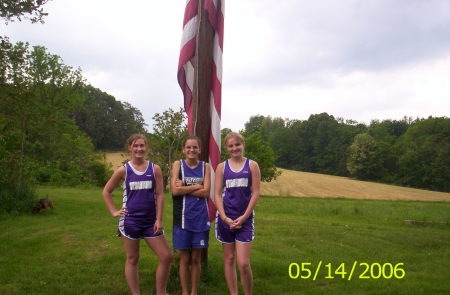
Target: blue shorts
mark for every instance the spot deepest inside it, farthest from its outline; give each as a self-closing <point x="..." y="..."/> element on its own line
<point x="225" y="235"/>
<point x="183" y="239"/>
<point x="136" y="228"/>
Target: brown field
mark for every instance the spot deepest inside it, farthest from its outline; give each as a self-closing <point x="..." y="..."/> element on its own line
<point x="304" y="184"/>
<point x="116" y="159"/>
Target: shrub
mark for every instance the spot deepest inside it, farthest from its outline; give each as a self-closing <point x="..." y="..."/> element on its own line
<point x="99" y="173"/>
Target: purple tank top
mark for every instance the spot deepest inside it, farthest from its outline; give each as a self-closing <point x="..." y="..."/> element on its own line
<point x="195" y="210"/>
<point x="139" y="192"/>
<point x="238" y="189"/>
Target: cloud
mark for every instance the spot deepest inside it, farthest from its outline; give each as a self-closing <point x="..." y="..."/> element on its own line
<point x="355" y="59"/>
<point x="417" y="90"/>
<point x="294" y="42"/>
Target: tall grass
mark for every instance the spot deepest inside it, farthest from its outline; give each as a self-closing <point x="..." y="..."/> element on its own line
<point x="74" y="249"/>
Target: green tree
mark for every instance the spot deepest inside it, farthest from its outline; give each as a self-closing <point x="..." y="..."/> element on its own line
<point x="28" y="9"/>
<point x="223" y="150"/>
<point x="318" y="144"/>
<point x="259" y="150"/>
<point x="256" y="148"/>
<point x="108" y="122"/>
<point x="169" y="130"/>
<point x="289" y="146"/>
<point x="387" y="134"/>
<point x="425" y="161"/>
<point x="255" y="124"/>
<point x="37" y="95"/>
<point x="279" y="135"/>
<point x="267" y="127"/>
<point x="363" y="161"/>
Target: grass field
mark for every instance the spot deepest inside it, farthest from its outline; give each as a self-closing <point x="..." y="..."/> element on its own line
<point x="74" y="250"/>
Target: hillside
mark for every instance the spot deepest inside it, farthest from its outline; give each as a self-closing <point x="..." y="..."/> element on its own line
<point x="116" y="159"/>
<point x="304" y="184"/>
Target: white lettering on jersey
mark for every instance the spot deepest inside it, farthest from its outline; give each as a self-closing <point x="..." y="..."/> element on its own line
<point x="193" y="180"/>
<point x="239" y="182"/>
<point x="138" y="185"/>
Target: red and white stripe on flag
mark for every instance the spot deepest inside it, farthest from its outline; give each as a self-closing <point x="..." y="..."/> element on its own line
<point x="186" y="72"/>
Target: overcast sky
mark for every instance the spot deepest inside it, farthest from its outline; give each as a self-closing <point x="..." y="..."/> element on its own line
<point x="355" y="59"/>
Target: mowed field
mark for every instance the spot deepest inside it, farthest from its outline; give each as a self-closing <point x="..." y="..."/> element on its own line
<point x="302" y="246"/>
<point x="304" y="184"/>
<point x="116" y="159"/>
<point x="312" y="244"/>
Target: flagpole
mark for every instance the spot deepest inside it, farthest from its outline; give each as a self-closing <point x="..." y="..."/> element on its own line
<point x="202" y="86"/>
<point x="202" y="89"/>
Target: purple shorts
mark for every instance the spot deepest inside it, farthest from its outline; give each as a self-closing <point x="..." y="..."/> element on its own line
<point x="136" y="228"/>
<point x="226" y="235"/>
<point x="185" y="239"/>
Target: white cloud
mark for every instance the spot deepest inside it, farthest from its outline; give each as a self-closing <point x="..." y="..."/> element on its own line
<point x="355" y="59"/>
<point x="417" y="90"/>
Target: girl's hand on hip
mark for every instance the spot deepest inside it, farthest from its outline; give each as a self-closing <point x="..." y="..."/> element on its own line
<point x="122" y="212"/>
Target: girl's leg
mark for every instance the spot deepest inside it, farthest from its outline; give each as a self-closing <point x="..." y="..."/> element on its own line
<point x="131" y="264"/>
<point x="196" y="268"/>
<point x="243" y="260"/>
<point x="230" y="267"/>
<point x="161" y="248"/>
<point x="185" y="256"/>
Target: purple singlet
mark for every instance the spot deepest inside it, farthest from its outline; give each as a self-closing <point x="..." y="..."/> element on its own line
<point x="191" y="212"/>
<point x="139" y="192"/>
<point x="139" y="199"/>
<point x="238" y="189"/>
<point x="236" y="197"/>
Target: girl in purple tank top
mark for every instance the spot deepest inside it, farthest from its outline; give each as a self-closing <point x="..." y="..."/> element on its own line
<point x="236" y="192"/>
<point x="190" y="186"/>
<point x="141" y="212"/>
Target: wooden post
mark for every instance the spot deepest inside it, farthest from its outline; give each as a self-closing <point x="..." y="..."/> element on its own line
<point x="202" y="86"/>
<point x="202" y="89"/>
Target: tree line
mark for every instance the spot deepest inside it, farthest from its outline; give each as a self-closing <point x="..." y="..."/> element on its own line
<point x="405" y="152"/>
<point x="52" y="122"/>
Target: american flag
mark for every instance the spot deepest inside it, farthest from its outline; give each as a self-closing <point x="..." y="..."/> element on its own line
<point x="186" y="74"/>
